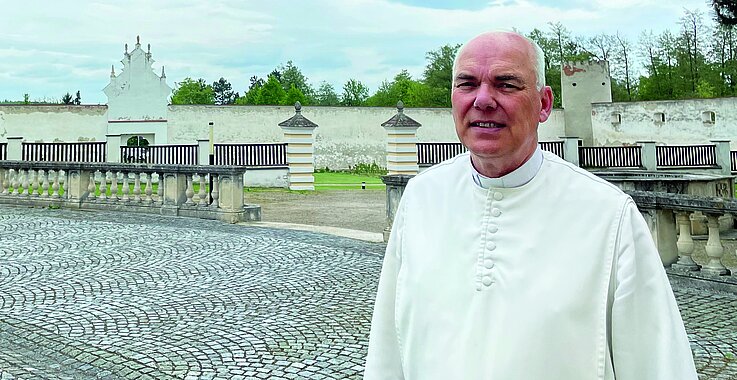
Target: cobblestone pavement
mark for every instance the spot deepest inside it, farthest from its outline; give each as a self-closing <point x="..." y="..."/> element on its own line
<point x="87" y="295"/>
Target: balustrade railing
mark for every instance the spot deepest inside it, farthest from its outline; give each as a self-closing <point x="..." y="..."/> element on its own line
<point x="555" y="147"/>
<point x="686" y="156"/>
<point x="160" y="154"/>
<point x="63" y="151"/>
<point x="610" y="157"/>
<point x="254" y="155"/>
<point x="431" y="153"/>
<point x="682" y="206"/>
<point x="165" y="189"/>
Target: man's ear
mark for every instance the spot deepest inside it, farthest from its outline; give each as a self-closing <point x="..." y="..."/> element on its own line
<point x="546" y="100"/>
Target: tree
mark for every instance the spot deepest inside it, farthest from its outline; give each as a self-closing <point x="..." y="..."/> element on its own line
<point x="67" y="98"/>
<point x="292" y="76"/>
<point x="294" y="95"/>
<point x="77" y="99"/>
<point x="223" y="92"/>
<point x="272" y="93"/>
<point x="326" y="95"/>
<point x="354" y="93"/>
<point x="624" y="57"/>
<point x="254" y="91"/>
<point x="390" y="92"/>
<point x="439" y="70"/>
<point x="189" y="91"/>
<point x="726" y="11"/>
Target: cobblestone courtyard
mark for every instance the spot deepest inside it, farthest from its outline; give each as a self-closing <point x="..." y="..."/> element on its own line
<point x="86" y="295"/>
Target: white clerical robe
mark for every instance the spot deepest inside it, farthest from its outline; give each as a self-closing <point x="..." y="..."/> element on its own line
<point x="558" y="278"/>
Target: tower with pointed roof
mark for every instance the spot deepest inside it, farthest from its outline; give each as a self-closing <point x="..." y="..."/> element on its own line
<point x="138" y="98"/>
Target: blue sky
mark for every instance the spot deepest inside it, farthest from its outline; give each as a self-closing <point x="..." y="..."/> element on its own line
<point x="50" y="48"/>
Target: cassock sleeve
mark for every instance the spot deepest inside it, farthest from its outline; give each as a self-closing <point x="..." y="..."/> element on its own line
<point x="648" y="339"/>
<point x="383" y="361"/>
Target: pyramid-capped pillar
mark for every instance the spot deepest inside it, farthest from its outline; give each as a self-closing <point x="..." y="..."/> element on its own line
<point x="401" y="143"/>
<point x="300" y="139"/>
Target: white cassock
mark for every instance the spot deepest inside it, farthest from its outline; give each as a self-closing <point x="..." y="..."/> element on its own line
<point x="547" y="273"/>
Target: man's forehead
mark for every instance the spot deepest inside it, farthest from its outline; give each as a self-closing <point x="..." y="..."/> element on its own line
<point x="494" y="51"/>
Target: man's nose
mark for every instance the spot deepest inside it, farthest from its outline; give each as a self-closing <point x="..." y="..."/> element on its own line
<point x="484" y="98"/>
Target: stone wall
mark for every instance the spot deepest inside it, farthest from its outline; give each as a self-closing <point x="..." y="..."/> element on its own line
<point x="686" y="122"/>
<point x="346" y="135"/>
<point x="50" y="123"/>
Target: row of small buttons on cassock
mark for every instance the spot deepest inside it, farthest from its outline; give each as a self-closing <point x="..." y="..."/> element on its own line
<point x="490" y="245"/>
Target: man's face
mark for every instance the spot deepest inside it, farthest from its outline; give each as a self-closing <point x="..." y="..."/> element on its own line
<point x="496" y="105"/>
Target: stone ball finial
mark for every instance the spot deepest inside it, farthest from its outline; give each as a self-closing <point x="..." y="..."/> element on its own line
<point x="298" y="107"/>
<point x="400" y="106"/>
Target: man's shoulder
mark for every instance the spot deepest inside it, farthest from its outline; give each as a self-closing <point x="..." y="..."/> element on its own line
<point x="582" y="180"/>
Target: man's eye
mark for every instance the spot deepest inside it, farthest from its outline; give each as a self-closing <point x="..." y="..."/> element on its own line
<point x="465" y="84"/>
<point x="508" y="86"/>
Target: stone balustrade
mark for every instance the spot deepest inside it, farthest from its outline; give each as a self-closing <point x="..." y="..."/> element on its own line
<point x="207" y="192"/>
<point x="672" y="212"/>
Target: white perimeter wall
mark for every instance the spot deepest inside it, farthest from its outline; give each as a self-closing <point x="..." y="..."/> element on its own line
<point x="50" y="123"/>
<point x="683" y="122"/>
<point x="346" y="136"/>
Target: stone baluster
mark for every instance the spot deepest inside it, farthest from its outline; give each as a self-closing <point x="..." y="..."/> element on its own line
<point x="45" y="184"/>
<point x="24" y="184"/>
<point x="126" y="188"/>
<point x="16" y="182"/>
<point x="55" y="186"/>
<point x="215" y="191"/>
<point x="2" y="180"/>
<point x="137" y="187"/>
<point x="203" y="191"/>
<point x="114" y="187"/>
<point x="190" y="191"/>
<point x="91" y="188"/>
<point x="685" y="243"/>
<point x="36" y="186"/>
<point x="160" y="189"/>
<point x="103" y="186"/>
<point x="714" y="247"/>
<point x="149" y="190"/>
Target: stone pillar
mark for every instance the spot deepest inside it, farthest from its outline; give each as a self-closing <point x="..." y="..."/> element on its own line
<point x="648" y="155"/>
<point x="570" y="149"/>
<point x="662" y="226"/>
<point x="113" y="148"/>
<point x="15" y="148"/>
<point x="203" y="152"/>
<point x="76" y="187"/>
<point x="299" y="136"/>
<point x="724" y="159"/>
<point x="395" y="185"/>
<point x="230" y="197"/>
<point x="401" y="147"/>
<point x="175" y="187"/>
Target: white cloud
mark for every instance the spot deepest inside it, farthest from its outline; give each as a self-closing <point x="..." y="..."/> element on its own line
<point x="50" y="46"/>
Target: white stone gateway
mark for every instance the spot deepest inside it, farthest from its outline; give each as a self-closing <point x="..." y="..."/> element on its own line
<point x="138" y="98"/>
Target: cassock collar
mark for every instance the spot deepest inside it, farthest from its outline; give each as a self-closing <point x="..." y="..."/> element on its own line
<point x="516" y="178"/>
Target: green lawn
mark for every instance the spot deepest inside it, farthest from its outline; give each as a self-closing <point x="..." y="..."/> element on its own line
<point x="345" y="179"/>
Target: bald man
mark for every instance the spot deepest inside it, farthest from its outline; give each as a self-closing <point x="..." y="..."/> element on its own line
<point x="507" y="262"/>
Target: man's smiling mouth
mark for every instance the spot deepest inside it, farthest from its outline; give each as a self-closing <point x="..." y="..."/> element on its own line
<point x="487" y="125"/>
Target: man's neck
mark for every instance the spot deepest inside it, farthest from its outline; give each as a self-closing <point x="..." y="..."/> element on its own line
<point x="517" y="177"/>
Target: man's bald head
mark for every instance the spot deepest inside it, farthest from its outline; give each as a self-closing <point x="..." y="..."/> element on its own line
<point x="537" y="56"/>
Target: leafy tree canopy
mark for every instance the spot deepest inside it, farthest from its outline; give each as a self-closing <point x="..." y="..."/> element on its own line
<point x="190" y="91"/>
